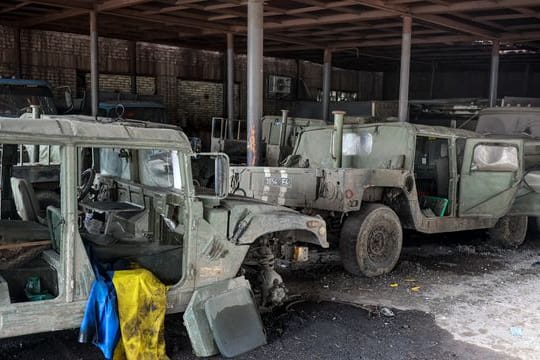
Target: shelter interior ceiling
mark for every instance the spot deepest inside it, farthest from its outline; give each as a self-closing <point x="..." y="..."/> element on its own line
<point x="364" y="34"/>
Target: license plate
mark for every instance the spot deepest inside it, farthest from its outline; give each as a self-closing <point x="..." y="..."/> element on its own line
<point x="278" y="181"/>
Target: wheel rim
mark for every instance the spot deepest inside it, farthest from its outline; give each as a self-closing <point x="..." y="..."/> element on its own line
<point x="379" y="246"/>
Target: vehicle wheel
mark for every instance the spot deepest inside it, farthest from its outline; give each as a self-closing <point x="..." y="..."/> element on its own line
<point x="509" y="231"/>
<point x="371" y="241"/>
<point x="46" y="198"/>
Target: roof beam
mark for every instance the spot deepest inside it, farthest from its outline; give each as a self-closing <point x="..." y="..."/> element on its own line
<point x="165" y="10"/>
<point x="456" y="25"/>
<point x="118" y="4"/>
<point x="53" y="16"/>
<point x="529" y="12"/>
<point x="74" y="4"/>
<point x="77" y="8"/>
<point x="172" y="20"/>
<point x="291" y="40"/>
<point x="412" y="11"/>
<point x="433" y="19"/>
<point x="381" y="43"/>
<point x="14" y="7"/>
<point x="472" y="5"/>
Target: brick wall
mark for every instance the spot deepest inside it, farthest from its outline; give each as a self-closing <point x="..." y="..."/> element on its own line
<point x="64" y="59"/>
<point x="146" y="85"/>
<point x="198" y="101"/>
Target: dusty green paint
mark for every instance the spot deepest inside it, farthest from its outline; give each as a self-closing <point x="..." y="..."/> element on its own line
<point x="524" y="123"/>
<point x="271" y="137"/>
<point x="309" y="180"/>
<point x="215" y="232"/>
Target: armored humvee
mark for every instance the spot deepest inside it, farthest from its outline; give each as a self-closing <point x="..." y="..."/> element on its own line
<point x="128" y="196"/>
<point x="371" y="181"/>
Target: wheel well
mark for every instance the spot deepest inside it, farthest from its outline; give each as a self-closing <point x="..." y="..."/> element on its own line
<point x="292" y="236"/>
<point x="395" y="198"/>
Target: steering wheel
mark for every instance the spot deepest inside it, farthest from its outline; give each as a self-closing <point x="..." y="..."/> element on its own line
<point x="87" y="177"/>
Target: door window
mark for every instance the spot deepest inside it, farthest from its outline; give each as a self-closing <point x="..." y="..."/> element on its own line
<point x="495" y="158"/>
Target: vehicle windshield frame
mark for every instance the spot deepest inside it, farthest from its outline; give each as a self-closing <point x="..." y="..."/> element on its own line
<point x="175" y="175"/>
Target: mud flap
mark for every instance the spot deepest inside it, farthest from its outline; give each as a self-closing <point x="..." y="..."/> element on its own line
<point x="223" y="318"/>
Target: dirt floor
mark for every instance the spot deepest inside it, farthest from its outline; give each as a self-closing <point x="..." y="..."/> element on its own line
<point x="450" y="297"/>
<point x="480" y="295"/>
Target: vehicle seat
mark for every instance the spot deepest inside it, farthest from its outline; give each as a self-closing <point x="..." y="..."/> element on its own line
<point x="25" y="200"/>
<point x="54" y="223"/>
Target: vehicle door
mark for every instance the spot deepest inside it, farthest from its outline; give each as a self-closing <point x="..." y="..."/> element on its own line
<point x="490" y="174"/>
<point x="528" y="196"/>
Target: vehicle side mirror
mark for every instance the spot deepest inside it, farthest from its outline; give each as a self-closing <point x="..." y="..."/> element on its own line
<point x="210" y="174"/>
<point x="532" y="180"/>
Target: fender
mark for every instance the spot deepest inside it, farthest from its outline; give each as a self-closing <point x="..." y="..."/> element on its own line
<point x="254" y="225"/>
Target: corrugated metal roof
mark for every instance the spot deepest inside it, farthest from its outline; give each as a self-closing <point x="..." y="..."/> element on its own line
<point x="360" y="31"/>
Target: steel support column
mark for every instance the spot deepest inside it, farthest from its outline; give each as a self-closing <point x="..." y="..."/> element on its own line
<point x="18" y="63"/>
<point x="230" y="84"/>
<point x="327" y="79"/>
<point x="132" y="49"/>
<point x="254" y="80"/>
<point x="494" y="76"/>
<point x="405" y="69"/>
<point x="432" y="80"/>
<point x="94" y="75"/>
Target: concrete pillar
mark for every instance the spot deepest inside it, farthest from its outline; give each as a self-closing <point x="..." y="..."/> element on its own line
<point x="405" y="69"/>
<point x="18" y="63"/>
<point x="327" y="79"/>
<point x="254" y="80"/>
<point x="230" y="84"/>
<point x="432" y="80"/>
<point x="494" y="76"/>
<point x="94" y="74"/>
<point x="132" y="49"/>
<point x="298" y="80"/>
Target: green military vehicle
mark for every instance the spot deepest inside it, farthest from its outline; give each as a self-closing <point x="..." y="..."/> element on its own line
<point x="371" y="181"/>
<point x="128" y="195"/>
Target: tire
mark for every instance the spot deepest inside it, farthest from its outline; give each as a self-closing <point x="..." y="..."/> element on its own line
<point x="371" y="240"/>
<point x="46" y="198"/>
<point x="509" y="231"/>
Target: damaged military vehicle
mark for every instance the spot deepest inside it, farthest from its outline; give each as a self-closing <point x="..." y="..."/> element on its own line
<point x="128" y="194"/>
<point x="369" y="182"/>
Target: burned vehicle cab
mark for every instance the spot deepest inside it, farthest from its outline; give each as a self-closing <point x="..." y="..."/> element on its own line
<point x="128" y="198"/>
<point x="370" y="181"/>
<point x="18" y="95"/>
